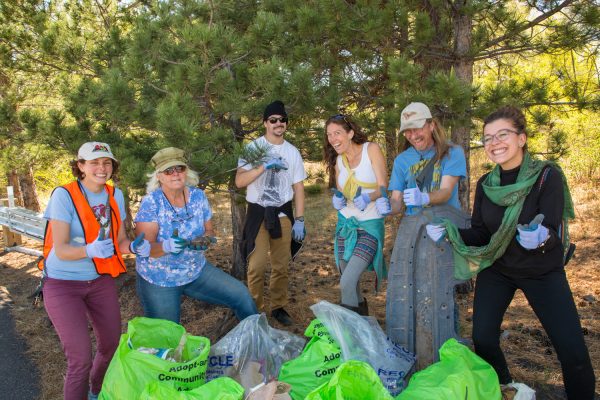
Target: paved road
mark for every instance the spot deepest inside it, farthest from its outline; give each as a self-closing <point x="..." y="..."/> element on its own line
<point x="19" y="378"/>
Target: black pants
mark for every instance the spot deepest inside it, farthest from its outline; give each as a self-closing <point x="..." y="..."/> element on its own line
<point x="552" y="301"/>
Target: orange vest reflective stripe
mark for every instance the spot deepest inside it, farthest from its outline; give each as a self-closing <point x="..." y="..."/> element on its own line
<point x="91" y="227"/>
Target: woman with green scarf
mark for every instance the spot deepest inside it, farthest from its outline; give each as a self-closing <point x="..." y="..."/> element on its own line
<point x="519" y="217"/>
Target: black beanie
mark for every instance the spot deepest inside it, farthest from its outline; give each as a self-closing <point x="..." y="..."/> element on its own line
<point x="275" y="108"/>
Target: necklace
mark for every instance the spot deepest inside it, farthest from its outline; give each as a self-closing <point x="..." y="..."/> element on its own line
<point x="178" y="217"/>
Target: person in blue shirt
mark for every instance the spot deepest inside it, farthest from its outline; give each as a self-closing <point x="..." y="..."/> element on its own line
<point x="176" y="218"/>
<point x="83" y="244"/>
<point x="425" y="142"/>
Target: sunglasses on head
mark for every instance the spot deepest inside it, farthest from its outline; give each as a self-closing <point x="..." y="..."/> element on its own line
<point x="340" y="116"/>
<point x="274" y="120"/>
<point x="177" y="168"/>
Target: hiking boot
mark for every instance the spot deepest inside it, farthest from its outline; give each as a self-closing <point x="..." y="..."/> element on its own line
<point x="282" y="316"/>
<point x="363" y="307"/>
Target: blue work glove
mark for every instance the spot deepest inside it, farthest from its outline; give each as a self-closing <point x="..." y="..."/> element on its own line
<point x="100" y="248"/>
<point x="338" y="200"/>
<point x="140" y="246"/>
<point x="298" y="231"/>
<point x="275" y="163"/>
<point x="532" y="235"/>
<point x="361" y="200"/>
<point x="414" y="197"/>
<point x="174" y="245"/>
<point x="383" y="206"/>
<point x="435" y="232"/>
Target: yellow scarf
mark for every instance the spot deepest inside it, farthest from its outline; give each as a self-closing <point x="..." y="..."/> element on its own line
<point x="352" y="184"/>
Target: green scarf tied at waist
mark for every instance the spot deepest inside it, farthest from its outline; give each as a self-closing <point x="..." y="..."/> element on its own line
<point x="470" y="260"/>
<point x="347" y="229"/>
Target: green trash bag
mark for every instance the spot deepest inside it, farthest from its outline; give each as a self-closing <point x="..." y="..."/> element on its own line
<point x="315" y="365"/>
<point x="353" y="380"/>
<point x="460" y="374"/>
<point x="317" y="329"/>
<point x="130" y="369"/>
<point x="218" y="389"/>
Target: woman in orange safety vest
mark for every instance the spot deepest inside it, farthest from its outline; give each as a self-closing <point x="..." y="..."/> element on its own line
<point x="84" y="241"/>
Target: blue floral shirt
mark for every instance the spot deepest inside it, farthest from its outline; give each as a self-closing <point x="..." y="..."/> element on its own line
<point x="172" y="270"/>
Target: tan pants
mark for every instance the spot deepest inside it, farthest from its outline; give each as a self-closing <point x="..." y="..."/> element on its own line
<point x="280" y="260"/>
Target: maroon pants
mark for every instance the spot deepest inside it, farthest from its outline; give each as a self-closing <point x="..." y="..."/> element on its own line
<point x="69" y="304"/>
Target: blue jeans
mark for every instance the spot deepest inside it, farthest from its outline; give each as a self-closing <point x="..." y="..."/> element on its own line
<point x="212" y="286"/>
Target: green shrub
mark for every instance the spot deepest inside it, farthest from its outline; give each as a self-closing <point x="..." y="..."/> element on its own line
<point x="313" y="190"/>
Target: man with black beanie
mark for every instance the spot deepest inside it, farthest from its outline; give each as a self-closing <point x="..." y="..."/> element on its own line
<point x="270" y="224"/>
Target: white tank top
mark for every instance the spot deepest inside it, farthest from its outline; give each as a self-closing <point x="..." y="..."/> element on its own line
<point x="364" y="172"/>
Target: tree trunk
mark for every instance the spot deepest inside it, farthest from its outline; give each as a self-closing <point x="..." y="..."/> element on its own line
<point x="238" y="213"/>
<point x="391" y="147"/>
<point x="28" y="190"/>
<point x="463" y="68"/>
<point x="238" y="217"/>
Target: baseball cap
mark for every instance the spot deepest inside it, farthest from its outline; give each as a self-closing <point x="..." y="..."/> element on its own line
<point x="414" y="116"/>
<point x="168" y="157"/>
<point x="92" y="150"/>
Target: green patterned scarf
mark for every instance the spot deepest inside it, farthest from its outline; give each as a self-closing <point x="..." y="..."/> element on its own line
<point x="436" y="180"/>
<point x="470" y="260"/>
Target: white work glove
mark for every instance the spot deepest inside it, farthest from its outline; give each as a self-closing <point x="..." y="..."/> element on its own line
<point x="142" y="249"/>
<point x="298" y="231"/>
<point x="532" y="239"/>
<point x="414" y="197"/>
<point x="100" y="248"/>
<point x="383" y="206"/>
<point x="361" y="201"/>
<point x="338" y="202"/>
<point x="435" y="232"/>
<point x="174" y="245"/>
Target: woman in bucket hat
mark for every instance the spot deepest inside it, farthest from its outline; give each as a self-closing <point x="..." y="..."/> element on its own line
<point x="177" y="219"/>
<point x="83" y="246"/>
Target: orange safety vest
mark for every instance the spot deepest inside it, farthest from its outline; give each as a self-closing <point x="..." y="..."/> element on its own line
<point x="91" y="227"/>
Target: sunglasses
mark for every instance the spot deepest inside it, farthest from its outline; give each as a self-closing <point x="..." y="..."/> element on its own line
<point x="171" y="170"/>
<point x="275" y="120"/>
<point x="340" y="116"/>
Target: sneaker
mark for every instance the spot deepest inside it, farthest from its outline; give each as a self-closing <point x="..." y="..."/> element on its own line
<point x="282" y="316"/>
<point x="92" y="396"/>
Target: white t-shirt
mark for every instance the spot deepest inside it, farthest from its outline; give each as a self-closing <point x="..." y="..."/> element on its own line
<point x="273" y="188"/>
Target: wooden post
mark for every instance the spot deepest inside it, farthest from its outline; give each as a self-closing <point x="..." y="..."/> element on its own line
<point x="10" y="238"/>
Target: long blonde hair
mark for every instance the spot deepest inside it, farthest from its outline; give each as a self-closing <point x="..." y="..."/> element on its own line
<point x="191" y="179"/>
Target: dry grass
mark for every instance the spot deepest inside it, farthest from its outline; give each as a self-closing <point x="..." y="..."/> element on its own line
<point x="313" y="277"/>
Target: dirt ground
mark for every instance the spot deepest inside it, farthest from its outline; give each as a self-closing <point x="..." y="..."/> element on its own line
<point x="313" y="278"/>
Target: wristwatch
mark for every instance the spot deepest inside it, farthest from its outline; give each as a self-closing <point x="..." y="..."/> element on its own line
<point x="301" y="219"/>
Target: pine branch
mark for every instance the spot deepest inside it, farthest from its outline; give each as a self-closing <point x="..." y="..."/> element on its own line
<point x="529" y="25"/>
<point x="503" y="51"/>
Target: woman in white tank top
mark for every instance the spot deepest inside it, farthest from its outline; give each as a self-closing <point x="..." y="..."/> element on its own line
<point x="357" y="170"/>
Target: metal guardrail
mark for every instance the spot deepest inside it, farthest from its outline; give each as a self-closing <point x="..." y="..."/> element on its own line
<point x="23" y="222"/>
